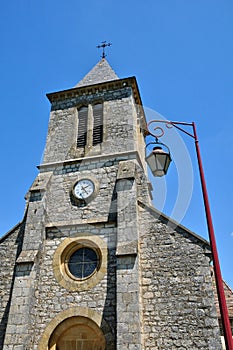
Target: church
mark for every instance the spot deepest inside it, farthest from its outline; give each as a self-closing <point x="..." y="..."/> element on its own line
<point x="93" y="265"/>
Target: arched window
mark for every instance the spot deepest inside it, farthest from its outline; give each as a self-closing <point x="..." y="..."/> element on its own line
<point x="97" y="124"/>
<point x="77" y="333"/>
<point x="82" y="127"/>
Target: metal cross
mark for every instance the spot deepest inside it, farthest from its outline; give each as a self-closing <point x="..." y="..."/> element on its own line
<point x="103" y="45"/>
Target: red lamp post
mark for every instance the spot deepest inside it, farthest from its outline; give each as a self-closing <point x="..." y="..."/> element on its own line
<point x="216" y="265"/>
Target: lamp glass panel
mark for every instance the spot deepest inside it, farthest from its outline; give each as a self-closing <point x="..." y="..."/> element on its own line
<point x="158" y="162"/>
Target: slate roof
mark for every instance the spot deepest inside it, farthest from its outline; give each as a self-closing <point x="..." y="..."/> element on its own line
<point x="228" y="295"/>
<point x="100" y="73"/>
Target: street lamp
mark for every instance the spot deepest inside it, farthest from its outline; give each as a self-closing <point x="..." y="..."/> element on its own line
<point x="159" y="159"/>
<point x="153" y="163"/>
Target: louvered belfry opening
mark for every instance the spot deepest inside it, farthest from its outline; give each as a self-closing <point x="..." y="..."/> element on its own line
<point x="97" y="123"/>
<point x="82" y="127"/>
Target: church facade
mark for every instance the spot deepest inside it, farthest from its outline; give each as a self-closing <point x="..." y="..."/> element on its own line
<point x="93" y="265"/>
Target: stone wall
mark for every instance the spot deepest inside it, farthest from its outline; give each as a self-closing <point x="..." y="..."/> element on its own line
<point x="58" y="202"/>
<point x="51" y="298"/>
<point x="177" y="294"/>
<point x="10" y="246"/>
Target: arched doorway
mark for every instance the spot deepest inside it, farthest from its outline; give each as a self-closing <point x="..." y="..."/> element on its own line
<point x="77" y="333"/>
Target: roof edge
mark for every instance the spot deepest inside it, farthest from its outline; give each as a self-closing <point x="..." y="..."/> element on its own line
<point x="173" y="223"/>
<point x="8" y="233"/>
<point x="62" y="93"/>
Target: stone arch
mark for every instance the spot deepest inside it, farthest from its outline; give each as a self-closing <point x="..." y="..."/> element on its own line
<point x="85" y="320"/>
<point x="77" y="332"/>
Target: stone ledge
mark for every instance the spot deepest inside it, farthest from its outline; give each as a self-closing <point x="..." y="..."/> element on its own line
<point x="27" y="256"/>
<point x="123" y="156"/>
<point x="127" y="248"/>
<point x="127" y="170"/>
<point x="102" y="219"/>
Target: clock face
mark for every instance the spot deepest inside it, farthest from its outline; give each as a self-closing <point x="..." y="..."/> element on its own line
<point x="84" y="189"/>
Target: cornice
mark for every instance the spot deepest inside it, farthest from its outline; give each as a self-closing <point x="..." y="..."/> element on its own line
<point x="90" y="89"/>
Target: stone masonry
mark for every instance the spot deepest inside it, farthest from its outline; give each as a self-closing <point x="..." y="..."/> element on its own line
<point x="152" y="286"/>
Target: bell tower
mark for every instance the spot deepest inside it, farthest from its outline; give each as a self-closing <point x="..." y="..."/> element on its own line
<point x="81" y="219"/>
<point x="97" y="266"/>
<point x="100" y="116"/>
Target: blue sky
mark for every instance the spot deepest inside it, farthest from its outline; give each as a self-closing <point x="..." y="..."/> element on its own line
<point x="181" y="54"/>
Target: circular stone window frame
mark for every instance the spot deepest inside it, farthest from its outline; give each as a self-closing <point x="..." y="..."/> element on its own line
<point x="87" y="200"/>
<point x="61" y="271"/>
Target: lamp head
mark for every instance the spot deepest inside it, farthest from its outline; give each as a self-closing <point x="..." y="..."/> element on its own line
<point x="159" y="160"/>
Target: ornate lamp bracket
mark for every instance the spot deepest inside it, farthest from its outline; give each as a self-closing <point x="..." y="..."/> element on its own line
<point x="159" y="132"/>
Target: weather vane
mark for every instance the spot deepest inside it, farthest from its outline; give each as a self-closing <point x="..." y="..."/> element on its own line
<point x="103" y="45"/>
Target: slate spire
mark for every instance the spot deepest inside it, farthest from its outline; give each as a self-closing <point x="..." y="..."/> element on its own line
<point x="100" y="73"/>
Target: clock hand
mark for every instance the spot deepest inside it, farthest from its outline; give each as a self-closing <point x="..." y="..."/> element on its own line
<point x="83" y="188"/>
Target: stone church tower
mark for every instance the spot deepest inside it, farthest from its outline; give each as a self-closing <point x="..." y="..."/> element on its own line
<point x="92" y="265"/>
